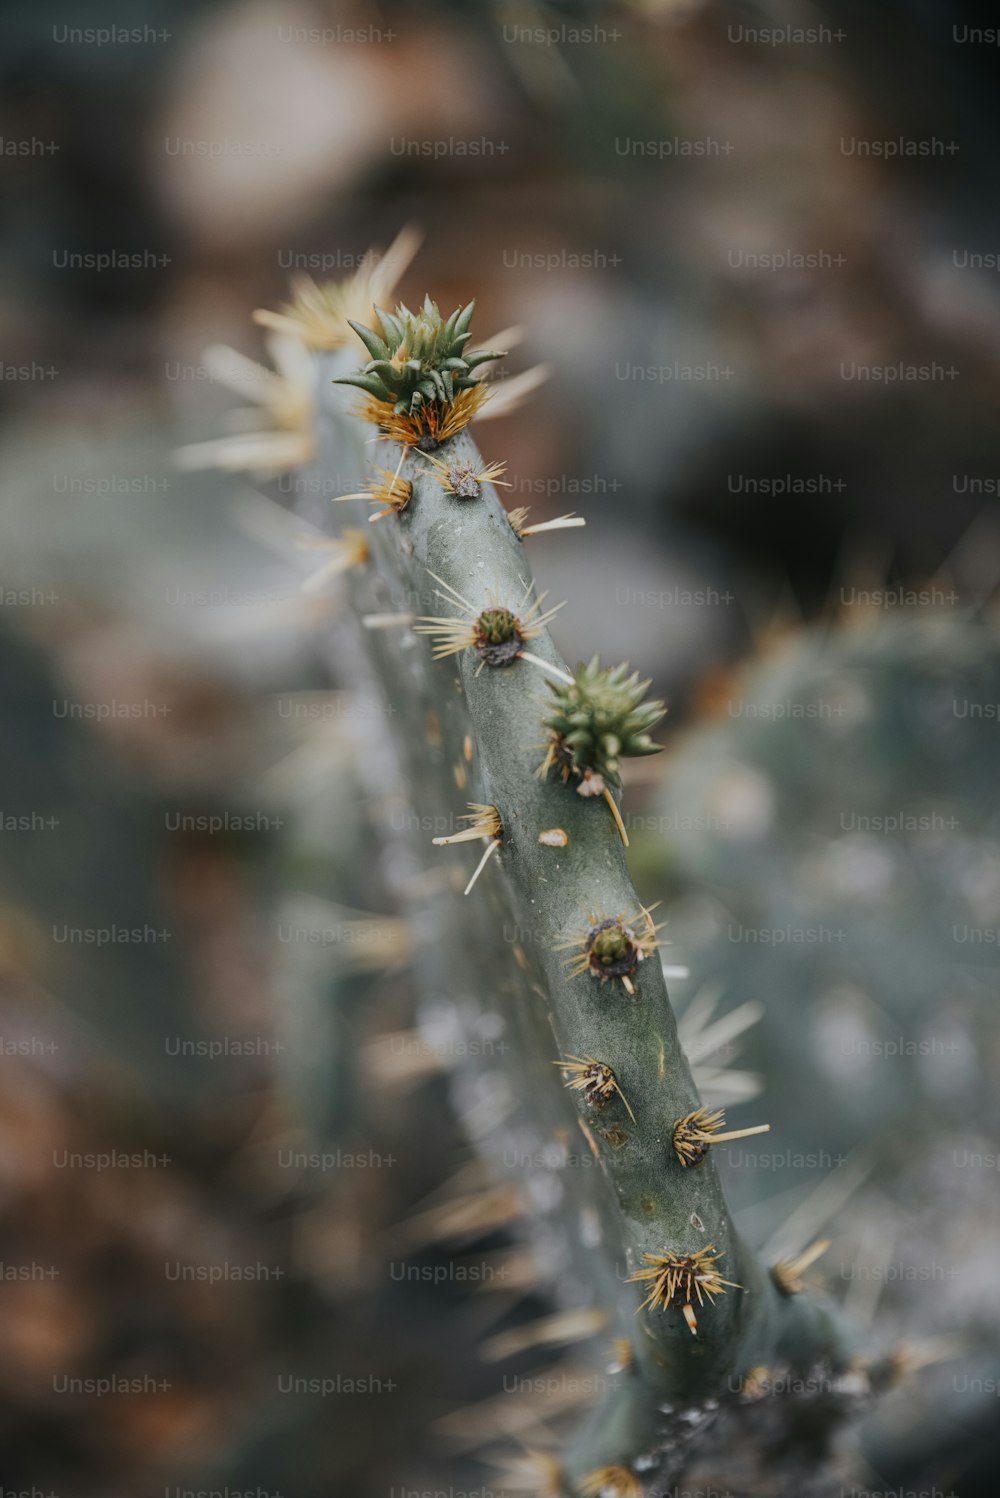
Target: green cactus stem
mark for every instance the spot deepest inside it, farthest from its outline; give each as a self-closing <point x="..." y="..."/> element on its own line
<point x="712" y="1312"/>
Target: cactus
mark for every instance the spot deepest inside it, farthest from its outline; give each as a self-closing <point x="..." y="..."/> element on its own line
<point x="541" y="751"/>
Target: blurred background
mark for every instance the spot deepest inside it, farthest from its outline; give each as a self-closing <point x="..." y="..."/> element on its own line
<point x="758" y="247"/>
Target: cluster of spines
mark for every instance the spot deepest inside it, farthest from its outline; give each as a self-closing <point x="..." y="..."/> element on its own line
<point x="497" y="633"/>
<point x="462" y="480"/>
<point x="695" y="1132"/>
<point x="595" y="1080"/>
<point x="612" y="947"/>
<point x="485" y="822"/>
<point x="680" y="1279"/>
<point x="426" y="427"/>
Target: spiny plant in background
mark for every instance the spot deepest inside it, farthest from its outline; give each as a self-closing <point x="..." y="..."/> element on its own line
<point x="712" y="1314"/>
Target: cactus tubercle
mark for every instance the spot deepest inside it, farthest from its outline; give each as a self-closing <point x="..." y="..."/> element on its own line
<point x="696" y="1131"/>
<point x="465" y="480"/>
<point x="595" y="1079"/>
<point x="679" y="1279"/>
<point x="612" y="948"/>
<point x="497" y="633"/>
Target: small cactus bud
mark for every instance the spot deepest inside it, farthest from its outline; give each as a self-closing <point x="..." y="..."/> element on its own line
<point x="613" y="947"/>
<point x="497" y="634"/>
<point x="417" y="358"/>
<point x="498" y="637"/>
<point x="598" y="720"/>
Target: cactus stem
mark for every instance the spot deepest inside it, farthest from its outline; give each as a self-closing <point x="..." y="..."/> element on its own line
<point x="591" y="720"/>
<point x="696" y="1131"/>
<point x="516" y="519"/>
<point x="594" y="1079"/>
<point x="680" y="1279"/>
